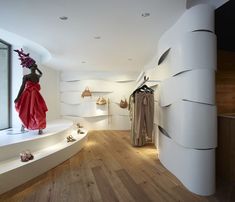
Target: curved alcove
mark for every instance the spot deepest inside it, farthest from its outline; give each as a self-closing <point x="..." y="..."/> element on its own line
<point x="49" y="150"/>
<point x="190" y="124"/>
<point x="194" y="168"/>
<point x="197" y="85"/>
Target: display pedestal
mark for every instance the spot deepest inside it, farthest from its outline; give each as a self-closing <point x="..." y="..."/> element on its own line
<point x="49" y="149"/>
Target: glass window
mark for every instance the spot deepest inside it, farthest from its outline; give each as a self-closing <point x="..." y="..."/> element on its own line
<point x="4" y="85"/>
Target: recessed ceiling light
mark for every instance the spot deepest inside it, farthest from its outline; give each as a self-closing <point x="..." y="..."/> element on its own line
<point x="144" y="15"/>
<point x="97" y="37"/>
<point x="64" y="18"/>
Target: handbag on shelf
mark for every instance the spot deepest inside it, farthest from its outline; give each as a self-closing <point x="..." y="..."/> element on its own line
<point x="123" y="104"/>
<point x="101" y="101"/>
<point x="86" y="93"/>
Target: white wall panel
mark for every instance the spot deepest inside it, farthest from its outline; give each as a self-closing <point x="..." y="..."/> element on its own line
<point x="115" y="109"/>
<point x="91" y="123"/>
<point x="193" y="50"/>
<point x="190" y="124"/>
<point x="70" y="110"/>
<point x="194" y="168"/>
<point x="197" y="86"/>
<point x="200" y="17"/>
<point x="86" y="109"/>
<point x="70" y="97"/>
<point x="89" y="109"/>
<point x="93" y="85"/>
<point x="119" y="122"/>
<point x="187" y="110"/>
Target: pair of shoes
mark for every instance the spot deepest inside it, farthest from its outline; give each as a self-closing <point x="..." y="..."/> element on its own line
<point x="79" y="126"/>
<point x="70" y="138"/>
<point x="26" y="156"/>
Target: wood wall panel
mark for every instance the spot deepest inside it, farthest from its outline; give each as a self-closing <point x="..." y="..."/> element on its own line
<point x="225" y="82"/>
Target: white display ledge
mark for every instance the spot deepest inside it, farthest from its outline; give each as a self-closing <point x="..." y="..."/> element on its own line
<point x="13" y="172"/>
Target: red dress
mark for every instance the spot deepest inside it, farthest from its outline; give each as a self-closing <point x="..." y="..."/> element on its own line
<point x="32" y="107"/>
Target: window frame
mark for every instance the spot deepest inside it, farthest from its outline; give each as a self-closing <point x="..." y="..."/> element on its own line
<point x="9" y="83"/>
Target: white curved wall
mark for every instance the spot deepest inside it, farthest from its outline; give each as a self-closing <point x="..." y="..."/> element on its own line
<point x="187" y="111"/>
<point x="85" y="110"/>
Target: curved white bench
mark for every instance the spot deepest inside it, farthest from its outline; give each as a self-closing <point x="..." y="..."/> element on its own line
<point x="49" y="150"/>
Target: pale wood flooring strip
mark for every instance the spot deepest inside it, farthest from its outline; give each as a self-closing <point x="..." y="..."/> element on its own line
<point x="109" y="169"/>
<point x="105" y="188"/>
<point x="135" y="190"/>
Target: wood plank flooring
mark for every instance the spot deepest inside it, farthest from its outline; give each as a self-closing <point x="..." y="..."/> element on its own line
<point x="109" y="169"/>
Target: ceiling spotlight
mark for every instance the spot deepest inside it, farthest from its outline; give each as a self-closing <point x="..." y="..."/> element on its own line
<point x="64" y="18"/>
<point x="144" y="15"/>
<point x="97" y="37"/>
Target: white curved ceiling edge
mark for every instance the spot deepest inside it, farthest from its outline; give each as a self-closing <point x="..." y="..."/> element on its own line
<point x="25" y="43"/>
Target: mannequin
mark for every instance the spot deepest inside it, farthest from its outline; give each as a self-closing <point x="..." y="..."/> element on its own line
<point x="29" y="103"/>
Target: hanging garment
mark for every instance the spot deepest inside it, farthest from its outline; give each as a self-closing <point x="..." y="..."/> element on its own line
<point x="141" y="114"/>
<point x="32" y="107"/>
<point x="144" y="108"/>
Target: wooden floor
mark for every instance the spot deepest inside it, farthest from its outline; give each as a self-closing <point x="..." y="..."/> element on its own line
<point x="108" y="169"/>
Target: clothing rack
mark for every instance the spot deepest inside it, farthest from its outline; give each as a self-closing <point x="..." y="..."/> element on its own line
<point x="145" y="80"/>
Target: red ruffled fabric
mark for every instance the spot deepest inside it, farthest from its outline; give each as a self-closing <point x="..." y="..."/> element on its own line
<point x="32" y="107"/>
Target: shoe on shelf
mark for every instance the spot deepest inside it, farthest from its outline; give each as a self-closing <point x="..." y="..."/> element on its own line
<point x="29" y="155"/>
<point x="79" y="126"/>
<point x="70" y="138"/>
<point x="23" y="156"/>
<point x="26" y="156"/>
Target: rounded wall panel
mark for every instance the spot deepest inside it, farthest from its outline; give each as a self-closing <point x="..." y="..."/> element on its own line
<point x="194" y="50"/>
<point x="186" y="62"/>
<point x="190" y="86"/>
<point x="200" y="17"/>
<point x="190" y="124"/>
<point x="194" y="168"/>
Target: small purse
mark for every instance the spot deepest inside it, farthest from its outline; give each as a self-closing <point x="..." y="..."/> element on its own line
<point x="123" y="104"/>
<point x="101" y="101"/>
<point x="86" y="92"/>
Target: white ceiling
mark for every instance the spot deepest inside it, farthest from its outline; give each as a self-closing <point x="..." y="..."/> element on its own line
<point x="124" y="33"/>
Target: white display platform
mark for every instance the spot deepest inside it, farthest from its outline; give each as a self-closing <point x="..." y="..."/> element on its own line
<point x="49" y="149"/>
